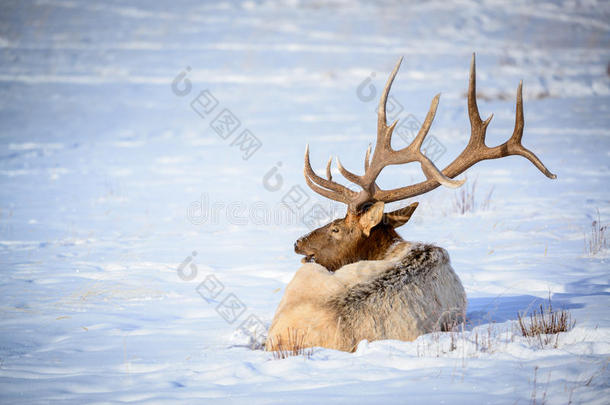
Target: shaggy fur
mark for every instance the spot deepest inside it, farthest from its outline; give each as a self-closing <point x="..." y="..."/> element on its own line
<point x="412" y="291"/>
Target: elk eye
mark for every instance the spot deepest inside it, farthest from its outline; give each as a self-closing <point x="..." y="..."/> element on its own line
<point x="335" y="230"/>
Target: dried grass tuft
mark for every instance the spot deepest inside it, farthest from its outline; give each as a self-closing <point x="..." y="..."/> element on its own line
<point x="464" y="199"/>
<point x="292" y="345"/>
<point x="597" y="241"/>
<point x="545" y="324"/>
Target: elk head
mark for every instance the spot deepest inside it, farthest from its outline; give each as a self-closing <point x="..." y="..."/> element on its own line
<point x="366" y="233"/>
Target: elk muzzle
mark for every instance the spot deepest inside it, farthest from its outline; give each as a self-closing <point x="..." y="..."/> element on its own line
<point x="300" y="248"/>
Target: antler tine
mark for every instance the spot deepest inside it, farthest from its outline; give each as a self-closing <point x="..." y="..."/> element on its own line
<point x="423" y="130"/>
<point x="329" y="176"/>
<point x="476" y="150"/>
<point x="514" y="143"/>
<point x="354" y="178"/>
<point x="478" y="127"/>
<point x="326" y="193"/>
<point x="308" y="171"/>
<point x="383" y="154"/>
<point x="413" y="151"/>
<point x="519" y="119"/>
<point x="324" y="187"/>
<point x="383" y="137"/>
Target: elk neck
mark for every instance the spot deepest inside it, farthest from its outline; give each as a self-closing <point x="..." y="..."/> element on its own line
<point x="378" y="245"/>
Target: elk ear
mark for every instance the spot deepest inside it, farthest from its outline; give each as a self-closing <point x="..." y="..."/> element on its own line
<point x="371" y="217"/>
<point x="399" y="217"/>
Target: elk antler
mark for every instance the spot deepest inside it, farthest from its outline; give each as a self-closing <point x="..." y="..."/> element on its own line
<point x="384" y="155"/>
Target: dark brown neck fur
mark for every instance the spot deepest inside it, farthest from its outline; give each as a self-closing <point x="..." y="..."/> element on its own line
<point x="378" y="244"/>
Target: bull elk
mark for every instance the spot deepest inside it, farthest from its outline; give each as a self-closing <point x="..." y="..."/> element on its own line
<point x="360" y="279"/>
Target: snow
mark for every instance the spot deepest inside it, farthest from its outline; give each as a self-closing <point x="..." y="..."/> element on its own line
<point x="110" y="182"/>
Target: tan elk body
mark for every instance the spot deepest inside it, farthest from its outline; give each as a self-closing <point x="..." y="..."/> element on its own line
<point x="360" y="279"/>
<point x="358" y="301"/>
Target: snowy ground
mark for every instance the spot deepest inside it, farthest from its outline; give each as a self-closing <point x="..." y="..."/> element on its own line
<point x="110" y="180"/>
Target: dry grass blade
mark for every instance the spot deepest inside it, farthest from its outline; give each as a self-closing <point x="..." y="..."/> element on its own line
<point x="464" y="200"/>
<point x="291" y="345"/>
<point x="598" y="240"/>
<point x="545" y="324"/>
